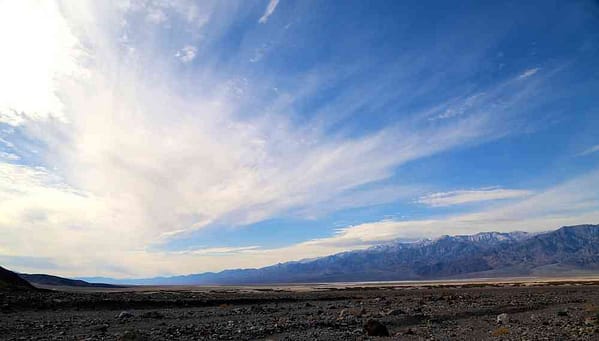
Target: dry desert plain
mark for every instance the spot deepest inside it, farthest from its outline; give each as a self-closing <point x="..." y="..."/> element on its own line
<point x="507" y="309"/>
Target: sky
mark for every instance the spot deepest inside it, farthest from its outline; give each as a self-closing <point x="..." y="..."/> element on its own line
<point x="141" y="138"/>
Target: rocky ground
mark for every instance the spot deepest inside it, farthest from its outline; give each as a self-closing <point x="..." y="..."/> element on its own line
<point x="568" y="311"/>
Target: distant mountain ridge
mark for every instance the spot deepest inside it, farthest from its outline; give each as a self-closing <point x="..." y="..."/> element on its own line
<point x="42" y="279"/>
<point x="488" y="254"/>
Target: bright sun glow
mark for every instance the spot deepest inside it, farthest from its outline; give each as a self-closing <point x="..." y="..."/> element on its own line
<point x="38" y="50"/>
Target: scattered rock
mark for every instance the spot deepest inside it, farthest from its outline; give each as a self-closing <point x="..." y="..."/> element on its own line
<point x="562" y="313"/>
<point x="410" y="331"/>
<point x="101" y="328"/>
<point x="395" y="312"/>
<point x="132" y="335"/>
<point x="500" y="331"/>
<point x="375" y="328"/>
<point x="590" y="321"/>
<point x="167" y="315"/>
<point x="503" y="318"/>
<point x="6" y="308"/>
<point x="152" y="315"/>
<point x="124" y="315"/>
<point x="355" y="312"/>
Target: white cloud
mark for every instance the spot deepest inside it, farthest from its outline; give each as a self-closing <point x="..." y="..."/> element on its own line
<point x="270" y="8"/>
<point x="9" y="156"/>
<point x="143" y="163"/>
<point x="573" y="202"/>
<point x="38" y="51"/>
<point x="156" y="15"/>
<point x="139" y="156"/>
<point x="469" y="196"/>
<point x="528" y="73"/>
<point x="187" y="53"/>
<point x="161" y="12"/>
<point x="7" y="143"/>
<point x="570" y="203"/>
<point x="590" y="150"/>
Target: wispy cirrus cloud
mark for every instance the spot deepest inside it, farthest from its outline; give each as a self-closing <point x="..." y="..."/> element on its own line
<point x="270" y="8"/>
<point x="588" y="151"/>
<point x="202" y="157"/>
<point x="572" y="202"/>
<point x="9" y="156"/>
<point x="138" y="159"/>
<point x="135" y="152"/>
<point x="220" y="250"/>
<point x="468" y="196"/>
<point x="528" y="73"/>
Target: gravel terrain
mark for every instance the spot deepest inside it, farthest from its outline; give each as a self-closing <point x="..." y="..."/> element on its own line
<point x="564" y="311"/>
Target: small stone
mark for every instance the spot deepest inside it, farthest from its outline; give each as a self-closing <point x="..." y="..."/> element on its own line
<point x="562" y="313"/>
<point x="375" y="328"/>
<point x="395" y="312"/>
<point x="124" y="315"/>
<point x="503" y="318"/>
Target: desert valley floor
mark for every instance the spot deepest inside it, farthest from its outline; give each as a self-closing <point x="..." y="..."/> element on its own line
<point x="521" y="310"/>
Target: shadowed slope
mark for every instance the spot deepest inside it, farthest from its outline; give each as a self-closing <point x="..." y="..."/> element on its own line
<point x="11" y="281"/>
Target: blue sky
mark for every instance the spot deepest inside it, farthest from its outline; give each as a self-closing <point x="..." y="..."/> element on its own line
<point x="142" y="138"/>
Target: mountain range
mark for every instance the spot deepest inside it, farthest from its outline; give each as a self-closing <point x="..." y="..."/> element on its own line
<point x="566" y="251"/>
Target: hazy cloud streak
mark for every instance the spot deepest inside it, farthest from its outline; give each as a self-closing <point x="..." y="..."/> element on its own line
<point x="469" y="196"/>
<point x="590" y="150"/>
